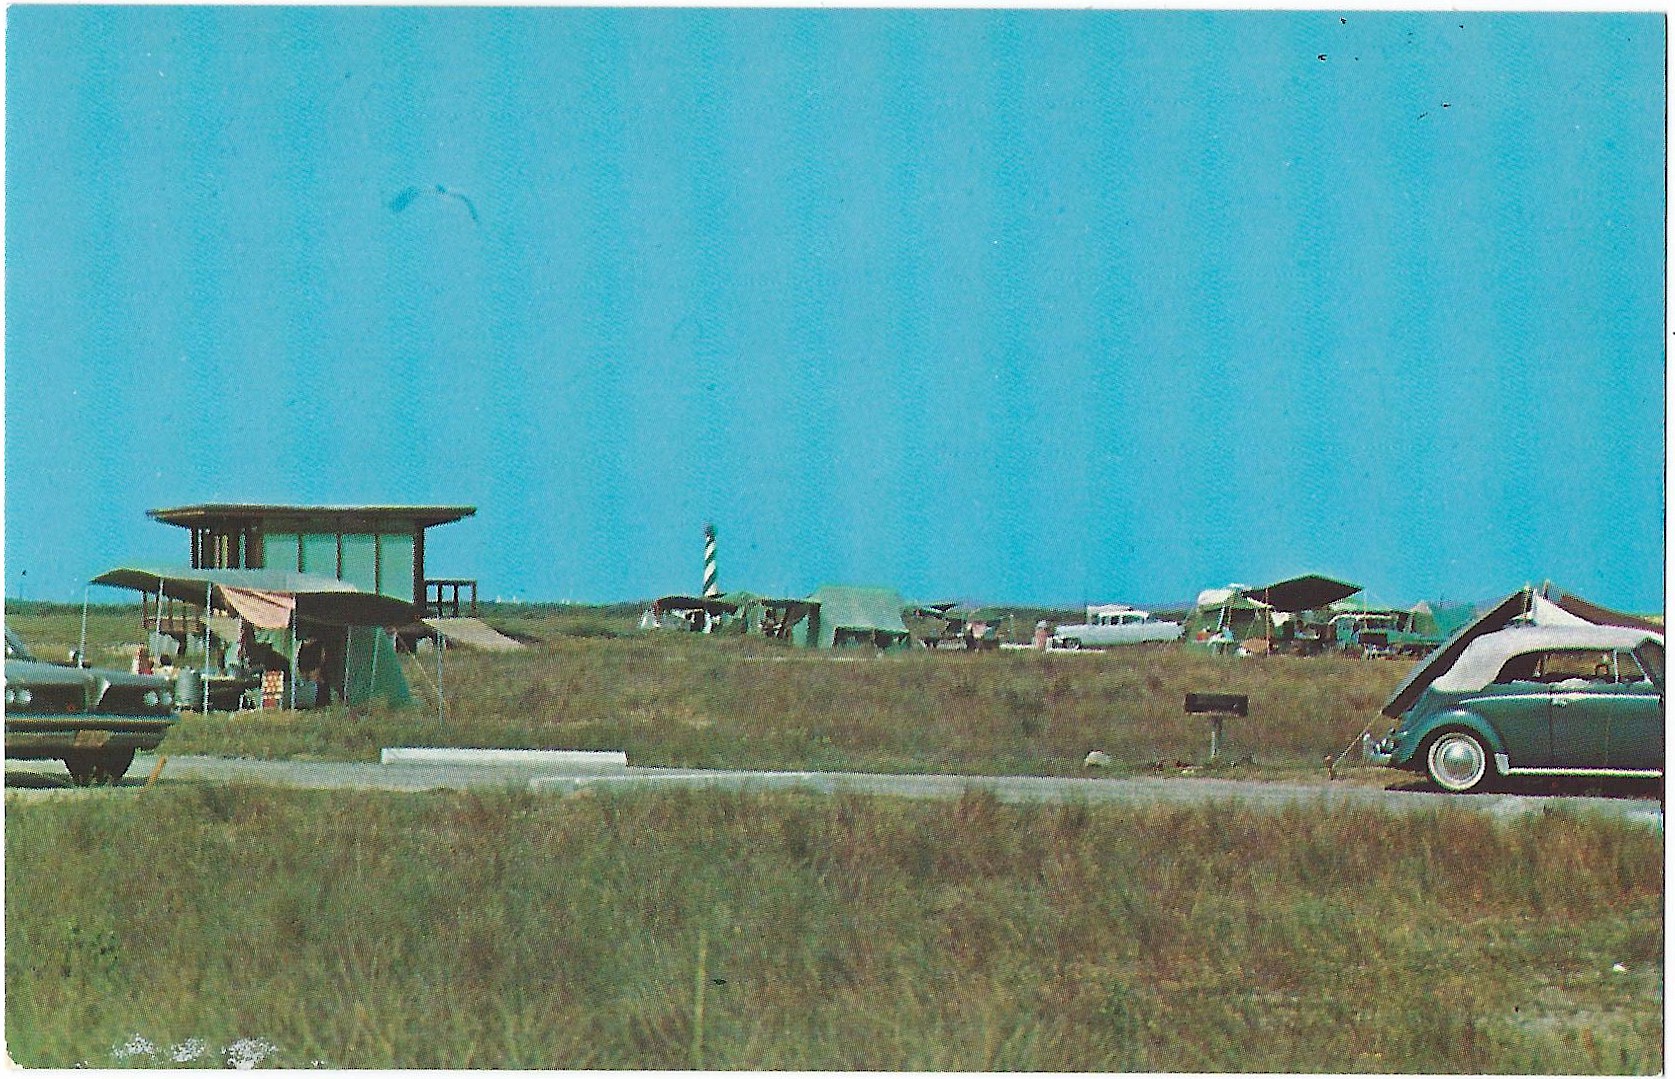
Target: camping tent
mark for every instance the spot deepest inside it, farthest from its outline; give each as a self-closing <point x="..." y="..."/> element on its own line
<point x="1527" y="606"/>
<point x="843" y="615"/>
<point x="1240" y="612"/>
<point x="285" y="610"/>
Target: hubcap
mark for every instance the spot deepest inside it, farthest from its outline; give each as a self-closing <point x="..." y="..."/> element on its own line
<point x="1457" y="762"/>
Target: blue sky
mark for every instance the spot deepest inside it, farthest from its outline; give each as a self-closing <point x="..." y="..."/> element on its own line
<point x="1011" y="306"/>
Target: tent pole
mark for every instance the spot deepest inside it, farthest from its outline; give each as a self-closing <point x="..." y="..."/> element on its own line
<point x="372" y="681"/>
<point x="81" y="649"/>
<point x="293" y="655"/>
<point x="208" y="589"/>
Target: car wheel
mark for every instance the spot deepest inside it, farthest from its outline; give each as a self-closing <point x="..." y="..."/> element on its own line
<point x="1457" y="762"/>
<point x="111" y="766"/>
<point x="80" y="767"/>
<point x="87" y="768"/>
<point x="1073" y="643"/>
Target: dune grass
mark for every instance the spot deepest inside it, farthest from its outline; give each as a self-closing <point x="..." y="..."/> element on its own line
<point x="510" y="930"/>
<point x="591" y="682"/>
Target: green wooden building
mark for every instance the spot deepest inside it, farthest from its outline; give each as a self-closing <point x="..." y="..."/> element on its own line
<point x="375" y="548"/>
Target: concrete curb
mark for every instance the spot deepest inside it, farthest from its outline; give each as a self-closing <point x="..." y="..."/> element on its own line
<point x="568" y="760"/>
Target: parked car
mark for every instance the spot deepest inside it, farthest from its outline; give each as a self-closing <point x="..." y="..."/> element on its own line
<point x="1532" y="700"/>
<point x="1114" y="624"/>
<point x="93" y="720"/>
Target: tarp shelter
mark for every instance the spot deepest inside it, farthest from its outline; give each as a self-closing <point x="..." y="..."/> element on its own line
<point x="736" y="612"/>
<point x="1241" y="613"/>
<point x="1526" y="606"/>
<point x="700" y="614"/>
<point x="285" y="609"/>
<point x="1599" y="616"/>
<point x="843" y="615"/>
<point x="1307" y="593"/>
<point x="782" y="619"/>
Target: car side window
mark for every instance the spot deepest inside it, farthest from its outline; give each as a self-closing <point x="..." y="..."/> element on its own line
<point x="1651" y="660"/>
<point x="1520" y="668"/>
<point x="1628" y="668"/>
<point x="1570" y="665"/>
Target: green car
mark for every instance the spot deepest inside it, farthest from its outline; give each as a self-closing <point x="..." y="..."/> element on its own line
<point x="92" y="720"/>
<point x="1532" y="700"/>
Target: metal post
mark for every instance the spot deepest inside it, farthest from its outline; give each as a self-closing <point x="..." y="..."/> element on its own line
<point x="1215" y="738"/>
<point x="208" y="590"/>
<point x="372" y="679"/>
<point x="293" y="656"/>
<point x="348" y="640"/>
<point x="439" y="712"/>
<point x="81" y="649"/>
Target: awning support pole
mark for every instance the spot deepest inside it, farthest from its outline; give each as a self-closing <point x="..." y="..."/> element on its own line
<point x="440" y="715"/>
<point x="81" y="649"/>
<point x="293" y="657"/>
<point x="208" y="589"/>
<point x="372" y="682"/>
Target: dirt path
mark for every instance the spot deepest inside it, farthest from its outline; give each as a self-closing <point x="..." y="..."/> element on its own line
<point x="43" y="779"/>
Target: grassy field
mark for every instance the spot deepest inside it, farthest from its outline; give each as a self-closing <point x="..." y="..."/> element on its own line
<point x="591" y="682"/>
<point x="790" y="932"/>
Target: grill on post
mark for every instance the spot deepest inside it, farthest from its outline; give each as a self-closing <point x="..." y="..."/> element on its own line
<point x="1218" y="706"/>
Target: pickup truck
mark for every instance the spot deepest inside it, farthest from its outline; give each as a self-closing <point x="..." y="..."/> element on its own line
<point x="1114" y="624"/>
<point x="93" y="720"/>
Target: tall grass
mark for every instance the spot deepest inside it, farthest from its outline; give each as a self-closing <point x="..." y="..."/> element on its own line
<point x="508" y="930"/>
<point x="593" y="682"/>
<point x="680" y="700"/>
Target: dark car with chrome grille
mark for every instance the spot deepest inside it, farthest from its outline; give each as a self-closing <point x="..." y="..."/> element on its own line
<point x="91" y="719"/>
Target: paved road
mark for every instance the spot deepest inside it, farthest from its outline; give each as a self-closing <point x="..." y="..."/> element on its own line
<point x="43" y="778"/>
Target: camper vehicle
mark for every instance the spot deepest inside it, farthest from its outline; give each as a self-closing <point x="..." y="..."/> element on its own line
<point x="92" y="720"/>
<point x="1112" y="624"/>
<point x="1531" y="700"/>
<point x="1394" y="632"/>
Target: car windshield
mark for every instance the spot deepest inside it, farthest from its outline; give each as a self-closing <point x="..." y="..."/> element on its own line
<point x="15" y="648"/>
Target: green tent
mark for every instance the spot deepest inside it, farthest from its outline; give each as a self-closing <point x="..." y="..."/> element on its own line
<point x="847" y="616"/>
<point x="1236" y="618"/>
<point x="747" y="612"/>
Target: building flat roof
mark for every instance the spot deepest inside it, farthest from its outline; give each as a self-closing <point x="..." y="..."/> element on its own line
<point x="220" y="513"/>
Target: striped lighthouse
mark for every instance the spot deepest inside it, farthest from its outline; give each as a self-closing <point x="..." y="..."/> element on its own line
<point x="711" y="588"/>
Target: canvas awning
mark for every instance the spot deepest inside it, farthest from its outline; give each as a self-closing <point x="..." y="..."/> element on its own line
<point x="266" y="598"/>
<point x="1603" y="616"/>
<point x="711" y="604"/>
<point x="1522" y="606"/>
<point x="1307" y="593"/>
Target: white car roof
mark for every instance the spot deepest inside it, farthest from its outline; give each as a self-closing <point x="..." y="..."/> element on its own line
<point x="1483" y="658"/>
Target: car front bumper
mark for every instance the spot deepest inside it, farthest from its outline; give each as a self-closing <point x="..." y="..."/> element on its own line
<point x="37" y="738"/>
<point x="1380" y="754"/>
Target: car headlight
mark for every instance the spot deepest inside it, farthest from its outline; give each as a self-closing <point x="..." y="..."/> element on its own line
<point x="20" y="695"/>
<point x="150" y="698"/>
<point x="11" y="695"/>
<point x="168" y="699"/>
